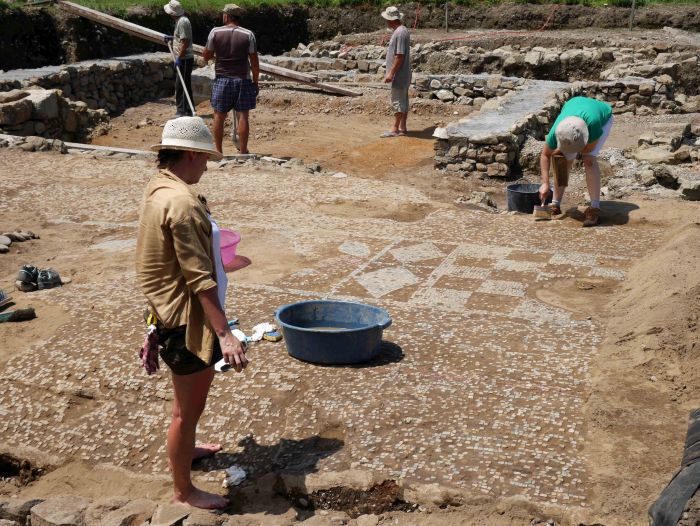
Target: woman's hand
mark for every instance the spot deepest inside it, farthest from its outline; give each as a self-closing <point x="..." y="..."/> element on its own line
<point x="544" y="192"/>
<point x="233" y="351"/>
<point x="238" y="263"/>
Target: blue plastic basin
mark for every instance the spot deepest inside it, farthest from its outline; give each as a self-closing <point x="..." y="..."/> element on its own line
<point x="332" y="332"/>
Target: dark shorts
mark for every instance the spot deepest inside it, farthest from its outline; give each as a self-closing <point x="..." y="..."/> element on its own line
<point x="232" y="92"/>
<point x="179" y="359"/>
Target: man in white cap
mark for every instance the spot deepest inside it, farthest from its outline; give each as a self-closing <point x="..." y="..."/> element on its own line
<point x="398" y="69"/>
<point x="184" y="61"/>
<point x="581" y="128"/>
<point x="180" y="270"/>
<point x="237" y="70"/>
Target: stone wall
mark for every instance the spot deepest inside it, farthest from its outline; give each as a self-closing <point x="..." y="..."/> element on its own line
<point x="603" y="63"/>
<point x="112" y="85"/>
<point x="495" y="151"/>
<point x="46" y="113"/>
<point x="471" y="90"/>
<point x="66" y="102"/>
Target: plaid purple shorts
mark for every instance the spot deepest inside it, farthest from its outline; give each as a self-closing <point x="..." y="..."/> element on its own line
<point x="232" y="92"/>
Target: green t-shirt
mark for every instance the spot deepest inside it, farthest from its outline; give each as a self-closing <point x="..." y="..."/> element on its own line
<point x="594" y="112"/>
<point x="183" y="31"/>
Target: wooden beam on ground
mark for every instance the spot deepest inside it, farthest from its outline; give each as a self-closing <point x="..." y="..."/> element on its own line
<point x="113" y="149"/>
<point x="157" y="38"/>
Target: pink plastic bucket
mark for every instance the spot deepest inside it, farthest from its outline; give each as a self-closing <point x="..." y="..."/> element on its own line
<point x="229" y="241"/>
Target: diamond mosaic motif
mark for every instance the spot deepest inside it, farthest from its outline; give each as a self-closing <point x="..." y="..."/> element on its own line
<point x="386" y="280"/>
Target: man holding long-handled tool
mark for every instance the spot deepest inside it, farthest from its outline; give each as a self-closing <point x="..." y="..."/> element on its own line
<point x="184" y="57"/>
<point x="237" y="71"/>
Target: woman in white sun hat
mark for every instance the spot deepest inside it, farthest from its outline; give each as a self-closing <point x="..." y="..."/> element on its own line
<point x="179" y="269"/>
<point x="582" y="127"/>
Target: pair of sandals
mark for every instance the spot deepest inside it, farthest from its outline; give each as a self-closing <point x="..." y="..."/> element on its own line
<point x="30" y="278"/>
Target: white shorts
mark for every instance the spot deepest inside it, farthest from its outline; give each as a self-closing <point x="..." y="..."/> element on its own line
<point x="599" y="145"/>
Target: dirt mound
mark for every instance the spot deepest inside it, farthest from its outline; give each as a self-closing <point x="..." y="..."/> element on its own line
<point x="644" y="380"/>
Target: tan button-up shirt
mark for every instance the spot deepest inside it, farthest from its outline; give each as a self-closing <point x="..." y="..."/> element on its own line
<point x="174" y="258"/>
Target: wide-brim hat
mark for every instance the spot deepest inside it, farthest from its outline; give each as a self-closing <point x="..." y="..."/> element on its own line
<point x="173" y="8"/>
<point x="232" y="9"/>
<point x="190" y="134"/>
<point x="392" y="13"/>
<point x="572" y="135"/>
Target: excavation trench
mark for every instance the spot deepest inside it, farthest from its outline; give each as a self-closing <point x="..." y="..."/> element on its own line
<point x="46" y="36"/>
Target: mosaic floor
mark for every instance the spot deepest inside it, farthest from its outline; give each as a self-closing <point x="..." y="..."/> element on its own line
<point x="480" y="385"/>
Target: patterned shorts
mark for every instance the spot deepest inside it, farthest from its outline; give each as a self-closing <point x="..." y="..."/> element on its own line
<point x="232" y="92"/>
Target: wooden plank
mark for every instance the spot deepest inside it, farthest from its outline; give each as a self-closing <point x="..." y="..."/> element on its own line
<point x="158" y="38"/>
<point x="115" y="149"/>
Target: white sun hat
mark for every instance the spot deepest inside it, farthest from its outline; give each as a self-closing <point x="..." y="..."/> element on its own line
<point x="173" y="8"/>
<point x="572" y="135"/>
<point x="188" y="133"/>
<point x="392" y="13"/>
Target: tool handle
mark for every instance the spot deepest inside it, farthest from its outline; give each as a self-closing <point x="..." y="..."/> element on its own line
<point x="179" y="75"/>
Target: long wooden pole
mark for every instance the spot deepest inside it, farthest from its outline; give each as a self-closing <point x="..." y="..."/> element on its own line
<point x="158" y="38"/>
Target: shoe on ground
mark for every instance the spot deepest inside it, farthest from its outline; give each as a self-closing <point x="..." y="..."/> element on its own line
<point x="591" y="216"/>
<point x="555" y="209"/>
<point x="23" y="286"/>
<point x="28" y="274"/>
<point x="48" y="279"/>
<point x="4" y="299"/>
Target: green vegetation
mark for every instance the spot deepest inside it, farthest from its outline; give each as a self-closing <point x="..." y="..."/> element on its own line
<point x="117" y="6"/>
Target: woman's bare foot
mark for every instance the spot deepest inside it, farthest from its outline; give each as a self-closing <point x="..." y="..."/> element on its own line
<point x="204" y="500"/>
<point x="205" y="450"/>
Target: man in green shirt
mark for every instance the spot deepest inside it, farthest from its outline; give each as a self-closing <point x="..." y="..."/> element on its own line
<point x="581" y="128"/>
<point x="184" y="56"/>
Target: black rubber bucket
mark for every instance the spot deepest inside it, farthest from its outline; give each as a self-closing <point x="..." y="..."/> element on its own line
<point x="524" y="197"/>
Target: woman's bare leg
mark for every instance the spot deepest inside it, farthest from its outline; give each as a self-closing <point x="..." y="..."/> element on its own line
<point x="190" y="398"/>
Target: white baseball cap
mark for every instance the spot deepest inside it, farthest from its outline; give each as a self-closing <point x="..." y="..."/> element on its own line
<point x="572" y="135"/>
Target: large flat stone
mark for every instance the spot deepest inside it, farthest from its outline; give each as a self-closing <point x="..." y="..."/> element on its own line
<point x="60" y="511"/>
<point x="16" y="112"/>
<point x="202" y="79"/>
<point x="690" y="188"/>
<point x="170" y="514"/>
<point x="12" y="95"/>
<point x="18" y="509"/>
<point x="654" y="155"/>
<point x="511" y="108"/>
<point x="203" y="518"/>
<point x="44" y="104"/>
<point x="102" y="507"/>
<point x="135" y="512"/>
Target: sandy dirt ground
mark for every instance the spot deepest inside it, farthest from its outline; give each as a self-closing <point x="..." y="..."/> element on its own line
<point x="539" y="370"/>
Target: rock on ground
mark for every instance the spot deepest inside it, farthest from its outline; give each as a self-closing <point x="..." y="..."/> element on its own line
<point x="59" y="511"/>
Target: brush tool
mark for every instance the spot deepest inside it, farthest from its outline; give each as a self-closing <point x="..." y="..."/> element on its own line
<point x="542" y="213"/>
